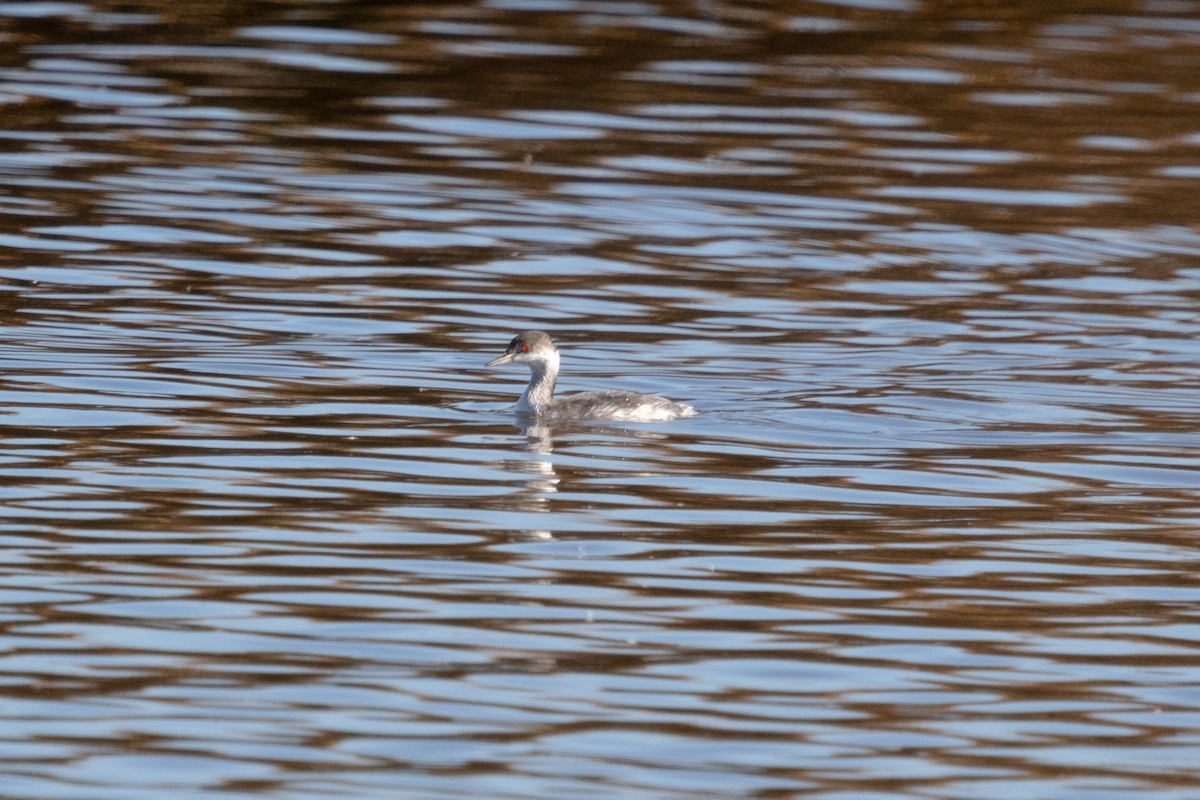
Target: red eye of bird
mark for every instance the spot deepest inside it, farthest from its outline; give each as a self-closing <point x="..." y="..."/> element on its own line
<point x="524" y="347"/>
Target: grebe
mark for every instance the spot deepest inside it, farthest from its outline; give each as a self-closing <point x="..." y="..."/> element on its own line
<point x="537" y="351"/>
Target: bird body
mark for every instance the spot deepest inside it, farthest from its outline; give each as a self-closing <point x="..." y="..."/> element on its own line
<point x="536" y="350"/>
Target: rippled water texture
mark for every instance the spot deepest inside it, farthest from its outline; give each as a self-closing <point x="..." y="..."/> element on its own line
<point x="929" y="270"/>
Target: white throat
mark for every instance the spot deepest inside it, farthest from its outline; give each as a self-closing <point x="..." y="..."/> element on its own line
<point x="539" y="394"/>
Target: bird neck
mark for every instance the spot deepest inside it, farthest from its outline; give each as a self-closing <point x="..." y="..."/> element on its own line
<point x="539" y="394"/>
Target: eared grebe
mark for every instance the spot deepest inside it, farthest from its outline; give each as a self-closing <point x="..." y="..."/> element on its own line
<point x="536" y="350"/>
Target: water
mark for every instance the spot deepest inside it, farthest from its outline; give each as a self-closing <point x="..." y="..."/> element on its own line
<point x="928" y="272"/>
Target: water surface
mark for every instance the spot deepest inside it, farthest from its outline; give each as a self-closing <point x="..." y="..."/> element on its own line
<point x="929" y="271"/>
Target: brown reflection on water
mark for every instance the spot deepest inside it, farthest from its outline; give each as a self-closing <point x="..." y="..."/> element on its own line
<point x="927" y="269"/>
